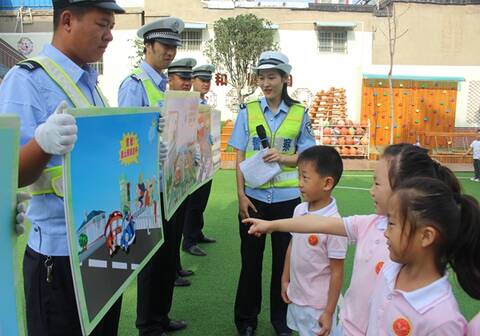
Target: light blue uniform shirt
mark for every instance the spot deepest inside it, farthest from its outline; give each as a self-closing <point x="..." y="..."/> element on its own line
<point x="33" y="96"/>
<point x="239" y="140"/>
<point x="131" y="91"/>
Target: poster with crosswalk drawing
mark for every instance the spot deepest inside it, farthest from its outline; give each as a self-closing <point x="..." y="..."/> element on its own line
<point x="11" y="323"/>
<point x="112" y="203"/>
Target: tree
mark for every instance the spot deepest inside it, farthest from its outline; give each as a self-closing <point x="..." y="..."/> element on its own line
<point x="236" y="47"/>
<point x="392" y="38"/>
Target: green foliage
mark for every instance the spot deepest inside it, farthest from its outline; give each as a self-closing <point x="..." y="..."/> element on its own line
<point x="83" y="241"/>
<point x="139" y="52"/>
<point x="237" y="45"/>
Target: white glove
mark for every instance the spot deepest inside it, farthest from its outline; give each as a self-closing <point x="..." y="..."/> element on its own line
<point x="161" y="124"/>
<point x="58" y="134"/>
<point x="21" y="209"/>
<point x="162" y="151"/>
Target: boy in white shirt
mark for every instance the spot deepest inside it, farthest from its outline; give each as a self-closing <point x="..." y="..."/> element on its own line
<point x="313" y="271"/>
<point x="475" y="147"/>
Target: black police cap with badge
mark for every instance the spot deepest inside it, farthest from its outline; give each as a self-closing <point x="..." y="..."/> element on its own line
<point x="109" y="5"/>
<point x="165" y="30"/>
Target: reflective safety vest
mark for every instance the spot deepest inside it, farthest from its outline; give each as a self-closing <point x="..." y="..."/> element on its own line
<point x="283" y="139"/>
<point x="51" y="179"/>
<point x="154" y="94"/>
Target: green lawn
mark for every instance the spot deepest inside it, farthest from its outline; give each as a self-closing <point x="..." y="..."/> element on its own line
<point x="207" y="305"/>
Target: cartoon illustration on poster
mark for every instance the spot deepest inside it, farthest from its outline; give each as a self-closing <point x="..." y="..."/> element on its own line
<point x="112" y="204"/>
<point x="11" y="322"/>
<point x="180" y="167"/>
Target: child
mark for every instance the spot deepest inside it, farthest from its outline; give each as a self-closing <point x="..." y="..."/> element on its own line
<point x="313" y="272"/>
<point x="475" y="146"/>
<point x="474" y="326"/>
<point x="429" y="228"/>
<point x="398" y="162"/>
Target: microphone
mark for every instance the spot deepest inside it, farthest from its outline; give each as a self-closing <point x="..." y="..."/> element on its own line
<point x="263" y="136"/>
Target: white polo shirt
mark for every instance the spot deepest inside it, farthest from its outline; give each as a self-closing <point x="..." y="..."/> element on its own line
<point x="431" y="310"/>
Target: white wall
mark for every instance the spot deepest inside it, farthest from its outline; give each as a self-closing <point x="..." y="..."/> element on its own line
<point x="311" y="69"/>
<point x="131" y="3"/>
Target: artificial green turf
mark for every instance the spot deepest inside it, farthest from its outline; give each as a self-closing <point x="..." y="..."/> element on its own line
<point x="207" y="305"/>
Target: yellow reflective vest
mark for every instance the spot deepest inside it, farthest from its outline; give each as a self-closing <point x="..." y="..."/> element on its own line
<point x="154" y="94"/>
<point x="51" y="179"/>
<point x="283" y="139"/>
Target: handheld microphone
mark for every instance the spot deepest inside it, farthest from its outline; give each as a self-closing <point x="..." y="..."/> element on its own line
<point x="262" y="134"/>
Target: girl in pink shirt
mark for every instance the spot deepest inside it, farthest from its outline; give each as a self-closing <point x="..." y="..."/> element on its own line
<point x="398" y="163"/>
<point x="429" y="228"/>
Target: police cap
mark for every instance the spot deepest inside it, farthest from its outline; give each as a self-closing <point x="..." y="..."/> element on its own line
<point x="166" y="31"/>
<point x="182" y="67"/>
<point x="204" y="72"/>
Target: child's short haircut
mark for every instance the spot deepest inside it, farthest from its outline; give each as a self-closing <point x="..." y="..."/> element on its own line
<point x="326" y="160"/>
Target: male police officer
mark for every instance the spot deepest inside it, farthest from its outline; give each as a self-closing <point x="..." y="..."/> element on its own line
<point x="58" y="78"/>
<point x="192" y="232"/>
<point x="145" y="87"/>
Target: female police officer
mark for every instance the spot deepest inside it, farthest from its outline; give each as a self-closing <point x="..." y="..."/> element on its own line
<point x="288" y="129"/>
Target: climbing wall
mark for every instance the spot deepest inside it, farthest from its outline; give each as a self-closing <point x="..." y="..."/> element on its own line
<point x="420" y="106"/>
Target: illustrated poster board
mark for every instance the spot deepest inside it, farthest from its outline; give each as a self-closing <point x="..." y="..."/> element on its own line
<point x="179" y="169"/>
<point x="11" y="323"/>
<point x="112" y="202"/>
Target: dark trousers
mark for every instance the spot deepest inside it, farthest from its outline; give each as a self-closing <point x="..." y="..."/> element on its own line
<point x="51" y="307"/>
<point x="155" y="281"/>
<point x="476" y="167"/>
<point x="249" y="292"/>
<point x="179" y="233"/>
<point x="192" y="231"/>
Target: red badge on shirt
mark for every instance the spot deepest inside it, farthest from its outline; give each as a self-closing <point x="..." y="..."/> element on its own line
<point x="378" y="266"/>
<point x="402" y="327"/>
<point x="313" y="240"/>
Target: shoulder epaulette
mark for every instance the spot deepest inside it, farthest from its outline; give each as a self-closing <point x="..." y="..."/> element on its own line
<point x="135" y="76"/>
<point x="29" y="65"/>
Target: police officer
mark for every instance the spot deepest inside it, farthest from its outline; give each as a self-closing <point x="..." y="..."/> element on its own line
<point x="180" y="79"/>
<point x="60" y="77"/>
<point x="180" y="74"/>
<point x="287" y="126"/>
<point x="145" y="87"/>
<point x="192" y="232"/>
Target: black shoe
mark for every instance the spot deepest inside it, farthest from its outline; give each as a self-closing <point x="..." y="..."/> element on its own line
<point x="206" y="240"/>
<point x="176" y="325"/>
<point x="182" y="282"/>
<point x="249" y="331"/>
<point x="196" y="251"/>
<point x="185" y="273"/>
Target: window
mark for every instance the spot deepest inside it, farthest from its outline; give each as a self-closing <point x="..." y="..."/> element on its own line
<point x="332" y="40"/>
<point x="191" y="39"/>
<point x="98" y="66"/>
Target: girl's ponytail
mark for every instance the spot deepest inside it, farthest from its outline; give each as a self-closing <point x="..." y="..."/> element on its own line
<point x="465" y="258"/>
